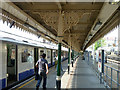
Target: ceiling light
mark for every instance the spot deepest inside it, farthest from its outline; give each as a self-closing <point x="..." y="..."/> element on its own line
<point x="39" y="36"/>
<point x="90" y="35"/>
<point x="114" y="2"/>
<point x="12" y="24"/>
<point x="47" y="36"/>
<point x="30" y="27"/>
<point x="97" y="25"/>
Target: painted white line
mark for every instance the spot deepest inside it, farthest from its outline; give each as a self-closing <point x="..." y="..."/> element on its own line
<point x="23" y="82"/>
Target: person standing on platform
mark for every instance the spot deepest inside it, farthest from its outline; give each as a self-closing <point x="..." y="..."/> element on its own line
<point x="56" y="60"/>
<point x="42" y="65"/>
<point x="57" y="63"/>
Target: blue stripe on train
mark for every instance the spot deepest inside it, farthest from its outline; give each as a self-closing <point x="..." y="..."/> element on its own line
<point x="23" y="75"/>
<point x="2" y="83"/>
<point x="26" y="74"/>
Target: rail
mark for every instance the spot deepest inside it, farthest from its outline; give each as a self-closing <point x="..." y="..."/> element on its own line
<point x="106" y="74"/>
<point x="117" y="58"/>
<point x="108" y="77"/>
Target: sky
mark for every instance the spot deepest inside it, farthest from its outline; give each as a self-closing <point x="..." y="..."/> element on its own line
<point x="113" y="33"/>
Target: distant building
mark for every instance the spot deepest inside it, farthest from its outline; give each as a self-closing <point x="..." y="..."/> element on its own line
<point x="111" y="41"/>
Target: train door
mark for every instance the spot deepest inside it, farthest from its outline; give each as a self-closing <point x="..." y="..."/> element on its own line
<point x="11" y="63"/>
<point x="36" y="55"/>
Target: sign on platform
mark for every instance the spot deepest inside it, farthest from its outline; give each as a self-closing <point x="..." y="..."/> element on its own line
<point x="100" y="62"/>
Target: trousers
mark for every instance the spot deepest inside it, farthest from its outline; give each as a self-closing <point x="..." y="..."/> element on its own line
<point x="44" y="77"/>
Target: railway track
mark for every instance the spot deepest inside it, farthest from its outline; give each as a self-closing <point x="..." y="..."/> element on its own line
<point x="113" y="59"/>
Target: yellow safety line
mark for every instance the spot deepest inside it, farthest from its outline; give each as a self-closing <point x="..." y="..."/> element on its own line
<point x="25" y="84"/>
<point x="30" y="81"/>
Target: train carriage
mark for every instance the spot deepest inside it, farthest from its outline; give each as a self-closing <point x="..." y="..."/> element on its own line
<point x="19" y="58"/>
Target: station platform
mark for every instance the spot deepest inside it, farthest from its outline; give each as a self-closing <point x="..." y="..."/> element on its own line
<point x="81" y="76"/>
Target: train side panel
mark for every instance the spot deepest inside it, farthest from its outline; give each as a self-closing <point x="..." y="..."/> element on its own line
<point x="25" y="61"/>
<point x="3" y="61"/>
<point x="17" y="61"/>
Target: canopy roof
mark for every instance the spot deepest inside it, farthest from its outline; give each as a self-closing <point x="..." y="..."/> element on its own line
<point x="83" y="22"/>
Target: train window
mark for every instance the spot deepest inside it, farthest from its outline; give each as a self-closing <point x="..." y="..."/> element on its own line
<point x="54" y="53"/>
<point x="13" y="53"/>
<point x="41" y="52"/>
<point x="48" y="56"/>
<point x="27" y="56"/>
<point x="11" y="56"/>
<point x="30" y="58"/>
<point x="24" y="55"/>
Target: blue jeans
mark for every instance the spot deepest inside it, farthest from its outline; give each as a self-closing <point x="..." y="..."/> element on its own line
<point x="44" y="76"/>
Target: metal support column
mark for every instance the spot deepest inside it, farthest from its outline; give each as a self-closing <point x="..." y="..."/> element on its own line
<point x="60" y="37"/>
<point x="72" y="57"/>
<point x="88" y="58"/>
<point x="58" y="78"/>
<point x="102" y="68"/>
<point x="69" y="61"/>
<point x="103" y="65"/>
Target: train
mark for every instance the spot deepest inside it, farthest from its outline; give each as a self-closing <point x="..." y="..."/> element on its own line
<point x="18" y="59"/>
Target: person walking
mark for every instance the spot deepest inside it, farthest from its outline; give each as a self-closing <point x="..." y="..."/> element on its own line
<point x="42" y="65"/>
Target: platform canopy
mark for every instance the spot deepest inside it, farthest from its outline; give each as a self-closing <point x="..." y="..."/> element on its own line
<point x="78" y="24"/>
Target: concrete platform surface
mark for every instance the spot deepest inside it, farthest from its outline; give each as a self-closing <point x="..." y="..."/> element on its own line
<point x="84" y="76"/>
<point x="81" y="76"/>
<point x="51" y="79"/>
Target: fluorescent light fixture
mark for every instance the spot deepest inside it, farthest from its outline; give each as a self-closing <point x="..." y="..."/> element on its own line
<point x="47" y="36"/>
<point x="39" y="36"/>
<point x="25" y="41"/>
<point x="114" y="2"/>
<point x="30" y="27"/>
<point x="90" y="35"/>
<point x="97" y="25"/>
<point x="12" y="24"/>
